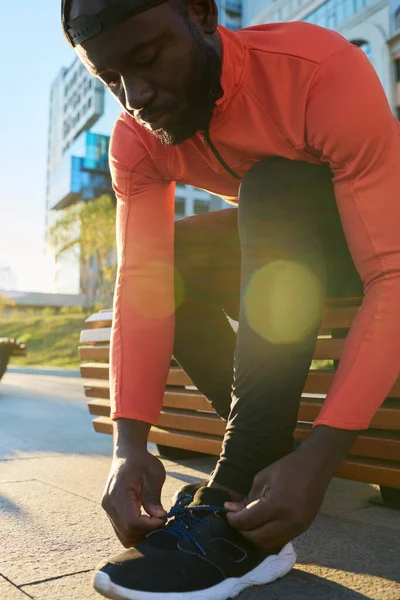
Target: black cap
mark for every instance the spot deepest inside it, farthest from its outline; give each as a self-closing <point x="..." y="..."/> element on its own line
<point x="83" y="28"/>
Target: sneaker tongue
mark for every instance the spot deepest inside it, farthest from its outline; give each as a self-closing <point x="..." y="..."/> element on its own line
<point x="206" y="496"/>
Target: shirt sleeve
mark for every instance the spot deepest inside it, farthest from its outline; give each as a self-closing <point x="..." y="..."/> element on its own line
<point x="350" y="125"/>
<point x="143" y="323"/>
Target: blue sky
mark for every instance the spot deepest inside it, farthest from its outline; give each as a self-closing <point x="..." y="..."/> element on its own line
<point x="33" y="49"/>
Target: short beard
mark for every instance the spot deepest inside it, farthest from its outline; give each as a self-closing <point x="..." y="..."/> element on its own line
<point x="202" y="89"/>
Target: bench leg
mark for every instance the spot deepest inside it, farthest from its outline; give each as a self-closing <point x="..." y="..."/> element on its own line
<point x="178" y="453"/>
<point x="390" y="496"/>
<point x="4" y="357"/>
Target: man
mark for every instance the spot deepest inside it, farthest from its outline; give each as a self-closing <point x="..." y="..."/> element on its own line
<point x="264" y="117"/>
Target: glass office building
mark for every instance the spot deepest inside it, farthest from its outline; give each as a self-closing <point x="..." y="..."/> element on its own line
<point x="230" y="13"/>
<point x="365" y="23"/>
<point x="82" y="116"/>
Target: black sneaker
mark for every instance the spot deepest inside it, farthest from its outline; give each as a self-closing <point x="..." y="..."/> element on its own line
<point x="197" y="556"/>
<point x="189" y="490"/>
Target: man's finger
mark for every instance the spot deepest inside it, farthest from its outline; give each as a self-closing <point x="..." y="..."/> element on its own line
<point x="151" y="498"/>
<point x="121" y="535"/>
<point x="254" y="515"/>
<point x="272" y="536"/>
<point x="234" y="506"/>
<point x="134" y="531"/>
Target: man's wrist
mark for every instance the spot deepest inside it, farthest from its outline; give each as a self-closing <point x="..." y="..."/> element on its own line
<point x="327" y="447"/>
<point x="130" y="435"/>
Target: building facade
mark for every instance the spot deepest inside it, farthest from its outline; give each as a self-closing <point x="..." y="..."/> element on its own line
<point x="365" y="23"/>
<point x="82" y="116"/>
<point x="230" y="13"/>
<point x="394" y="49"/>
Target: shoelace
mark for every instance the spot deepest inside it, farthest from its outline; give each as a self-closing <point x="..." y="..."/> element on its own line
<point x="185" y="520"/>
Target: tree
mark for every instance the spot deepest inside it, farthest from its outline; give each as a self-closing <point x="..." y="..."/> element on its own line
<point x="88" y="230"/>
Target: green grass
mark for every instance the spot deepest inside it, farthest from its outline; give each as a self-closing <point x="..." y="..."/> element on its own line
<point x="51" y="341"/>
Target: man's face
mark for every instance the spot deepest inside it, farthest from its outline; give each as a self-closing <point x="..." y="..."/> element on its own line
<point x="160" y="67"/>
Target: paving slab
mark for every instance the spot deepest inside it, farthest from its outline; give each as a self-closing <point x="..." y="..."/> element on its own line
<point x="346" y="496"/>
<point x="378" y="515"/>
<point x="86" y="475"/>
<point x="8" y="591"/>
<point x="359" y="556"/>
<point x="53" y="531"/>
<point x="46" y="532"/>
<point x="76" y="587"/>
<point x="42" y="416"/>
<point x="302" y="585"/>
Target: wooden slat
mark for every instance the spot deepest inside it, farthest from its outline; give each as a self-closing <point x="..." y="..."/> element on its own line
<point x="96" y="336"/>
<point x="97" y="389"/>
<point x="186" y="400"/>
<point x="329" y="349"/>
<point x="95" y="371"/>
<point x="191" y="421"/>
<point x="338" y="317"/>
<point x="386" y="418"/>
<point x="103" y="425"/>
<point x="179" y="398"/>
<point x="349" y="301"/>
<point x="207" y="444"/>
<point x="371" y="471"/>
<point x="101" y="319"/>
<point x="177" y="376"/>
<point x="372" y="443"/>
<point x="320" y="381"/>
<point x="100" y="408"/>
<point x="94" y="352"/>
<point x="355" y="468"/>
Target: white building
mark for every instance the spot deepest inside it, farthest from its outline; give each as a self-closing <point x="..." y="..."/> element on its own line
<point x="363" y="22"/>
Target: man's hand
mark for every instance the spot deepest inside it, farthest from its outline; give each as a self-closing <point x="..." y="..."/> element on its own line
<point x="286" y="496"/>
<point x="136" y="479"/>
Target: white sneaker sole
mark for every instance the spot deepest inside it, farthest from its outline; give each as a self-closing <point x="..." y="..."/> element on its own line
<point x="272" y="568"/>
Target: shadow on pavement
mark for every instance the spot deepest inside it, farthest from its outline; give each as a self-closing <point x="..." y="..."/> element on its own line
<point x="46" y="415"/>
<point x="299" y="585"/>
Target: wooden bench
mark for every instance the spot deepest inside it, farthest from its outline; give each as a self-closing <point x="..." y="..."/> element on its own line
<point x="188" y="422"/>
<point x="9" y="347"/>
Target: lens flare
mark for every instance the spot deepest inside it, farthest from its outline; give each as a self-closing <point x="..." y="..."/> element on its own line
<point x="283" y="301"/>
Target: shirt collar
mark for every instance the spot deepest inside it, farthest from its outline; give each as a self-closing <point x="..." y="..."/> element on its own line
<point x="233" y="52"/>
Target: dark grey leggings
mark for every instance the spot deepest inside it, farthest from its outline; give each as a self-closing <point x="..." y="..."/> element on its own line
<point x="270" y="265"/>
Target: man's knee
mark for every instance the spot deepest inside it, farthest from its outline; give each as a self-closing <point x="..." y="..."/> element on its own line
<point x="279" y="184"/>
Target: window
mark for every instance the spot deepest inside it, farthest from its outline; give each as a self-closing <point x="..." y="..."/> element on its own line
<point x="397" y="69"/>
<point x="397" y="20"/>
<point x="333" y="13"/>
<point x="398" y="112"/>
<point x="180" y="206"/>
<point x="365" y="47"/>
<point x="201" y="206"/>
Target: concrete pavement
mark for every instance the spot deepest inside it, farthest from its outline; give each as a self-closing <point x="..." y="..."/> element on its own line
<point x="53" y="531"/>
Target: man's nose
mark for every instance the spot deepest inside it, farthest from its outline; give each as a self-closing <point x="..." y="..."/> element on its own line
<point x="138" y="94"/>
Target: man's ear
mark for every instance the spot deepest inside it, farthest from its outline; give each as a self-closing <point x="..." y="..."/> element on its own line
<point x="205" y="14"/>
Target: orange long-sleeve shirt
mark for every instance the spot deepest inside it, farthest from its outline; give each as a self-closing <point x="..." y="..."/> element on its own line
<point x="293" y="90"/>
